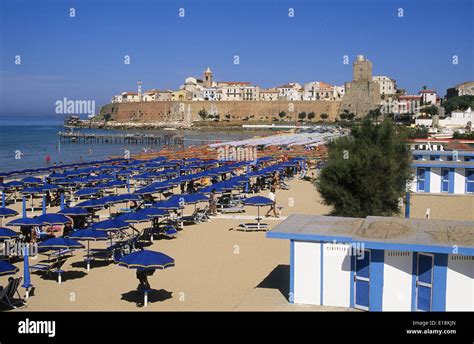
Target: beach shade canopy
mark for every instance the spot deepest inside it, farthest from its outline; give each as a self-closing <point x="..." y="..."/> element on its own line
<point x="6" y="233"/>
<point x="168" y="205"/>
<point x="7" y="268"/>
<point x="53" y="219"/>
<point x="50" y="187"/>
<point x="128" y="197"/>
<point x="92" y="203"/>
<point x="32" y="190"/>
<point x="258" y="201"/>
<point x="74" y="211"/>
<point x="146" y="259"/>
<point x="13" y="184"/>
<point x="60" y="243"/>
<point x="110" y="225"/>
<point x="86" y="192"/>
<point x="32" y="180"/>
<point x="24" y="221"/>
<point x="89" y="234"/>
<point x="133" y="217"/>
<point x="189" y="198"/>
<point x="153" y="212"/>
<point x="6" y="212"/>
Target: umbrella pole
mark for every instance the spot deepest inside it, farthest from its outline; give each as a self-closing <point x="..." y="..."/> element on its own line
<point x="87" y="258"/>
<point x="258" y="217"/>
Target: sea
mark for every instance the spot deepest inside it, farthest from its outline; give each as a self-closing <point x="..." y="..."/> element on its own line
<point x="25" y="143"/>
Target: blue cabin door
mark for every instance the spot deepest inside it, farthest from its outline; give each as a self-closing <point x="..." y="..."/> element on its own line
<point x="424" y="282"/>
<point x="421" y="179"/>
<point x="362" y="281"/>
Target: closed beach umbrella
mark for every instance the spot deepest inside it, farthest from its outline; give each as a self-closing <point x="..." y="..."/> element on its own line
<point x="26" y="271"/>
<point x="7" y="268"/>
<point x="6" y="233"/>
<point x="88" y="234"/>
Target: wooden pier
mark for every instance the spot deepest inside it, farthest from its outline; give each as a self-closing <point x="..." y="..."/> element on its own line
<point x="146" y="139"/>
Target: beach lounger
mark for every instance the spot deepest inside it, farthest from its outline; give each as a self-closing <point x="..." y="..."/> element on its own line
<point x="7" y="294"/>
<point x="199" y="215"/>
<point x="253" y="226"/>
<point x="50" y="268"/>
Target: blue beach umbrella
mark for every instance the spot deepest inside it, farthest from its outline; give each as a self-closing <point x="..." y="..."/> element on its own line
<point x="7" y="268"/>
<point x="32" y="180"/>
<point x="88" y="234"/>
<point x="146" y="259"/>
<point x="258" y="201"/>
<point x="6" y="233"/>
<point x="13" y="184"/>
<point x="24" y="221"/>
<point x="86" y="192"/>
<point x="50" y="187"/>
<point x="92" y="203"/>
<point x="59" y="243"/>
<point x="133" y="217"/>
<point x="153" y="212"/>
<point x="110" y="225"/>
<point x="74" y="211"/>
<point x="189" y="198"/>
<point x="168" y="205"/>
<point x="53" y="219"/>
<point x="127" y="197"/>
<point x="6" y="212"/>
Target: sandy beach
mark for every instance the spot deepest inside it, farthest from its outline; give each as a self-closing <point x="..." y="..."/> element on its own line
<point x="217" y="266"/>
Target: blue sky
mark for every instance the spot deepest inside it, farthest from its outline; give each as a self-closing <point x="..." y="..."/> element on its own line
<point x="82" y="57"/>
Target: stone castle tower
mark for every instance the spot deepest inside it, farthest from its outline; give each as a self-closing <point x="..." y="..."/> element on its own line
<point x="362" y="94"/>
<point x="208" y="78"/>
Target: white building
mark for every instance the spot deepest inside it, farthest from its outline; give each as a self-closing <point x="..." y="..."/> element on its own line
<point x="318" y="90"/>
<point x="387" y="85"/>
<point x="429" y="97"/>
<point x="237" y="91"/>
<point x="346" y="262"/>
<point x="443" y="172"/>
<point x="212" y="93"/>
<point x="458" y="119"/>
<point x="269" y="94"/>
<point x="291" y="91"/>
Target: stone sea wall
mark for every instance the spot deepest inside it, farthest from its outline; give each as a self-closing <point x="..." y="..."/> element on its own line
<point x="187" y="111"/>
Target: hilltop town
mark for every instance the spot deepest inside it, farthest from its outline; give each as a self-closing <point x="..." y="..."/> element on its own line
<point x="203" y="100"/>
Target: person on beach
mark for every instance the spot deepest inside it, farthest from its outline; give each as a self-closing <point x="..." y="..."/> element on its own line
<point x="212" y="203"/>
<point x="142" y="276"/>
<point x="47" y="158"/>
<point x="272" y="196"/>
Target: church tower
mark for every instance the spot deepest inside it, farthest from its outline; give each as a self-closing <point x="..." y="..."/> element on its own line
<point x="208" y="78"/>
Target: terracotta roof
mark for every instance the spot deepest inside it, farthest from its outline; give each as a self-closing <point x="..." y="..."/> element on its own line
<point x="456" y="145"/>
